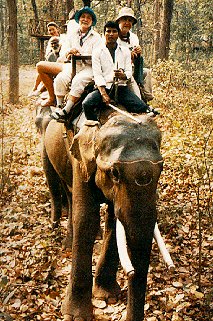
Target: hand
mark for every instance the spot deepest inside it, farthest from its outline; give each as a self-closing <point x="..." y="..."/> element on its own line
<point x="72" y="52"/>
<point x="106" y="99"/>
<point x="137" y="51"/>
<point x="120" y="74"/>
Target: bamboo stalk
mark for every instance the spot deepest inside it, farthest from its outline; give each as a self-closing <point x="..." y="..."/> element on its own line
<point x="125" y="113"/>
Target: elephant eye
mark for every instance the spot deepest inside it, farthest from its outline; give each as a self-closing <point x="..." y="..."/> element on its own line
<point x="154" y="146"/>
<point x="115" y="174"/>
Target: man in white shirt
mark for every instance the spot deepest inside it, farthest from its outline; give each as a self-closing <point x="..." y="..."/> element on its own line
<point x="112" y="62"/>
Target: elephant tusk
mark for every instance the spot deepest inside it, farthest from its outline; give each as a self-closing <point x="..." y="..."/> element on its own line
<point x="122" y="249"/>
<point x="123" y="253"/>
<point x="166" y="256"/>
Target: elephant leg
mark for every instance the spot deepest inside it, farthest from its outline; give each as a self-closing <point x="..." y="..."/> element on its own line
<point x="54" y="184"/>
<point x="86" y="222"/>
<point x="105" y="285"/>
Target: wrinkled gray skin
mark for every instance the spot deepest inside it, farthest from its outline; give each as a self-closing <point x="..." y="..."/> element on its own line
<point x="119" y="164"/>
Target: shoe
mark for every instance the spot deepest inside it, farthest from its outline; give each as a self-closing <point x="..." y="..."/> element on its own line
<point x="34" y="93"/>
<point x="60" y="115"/>
<point x="150" y="110"/>
<point x="47" y="103"/>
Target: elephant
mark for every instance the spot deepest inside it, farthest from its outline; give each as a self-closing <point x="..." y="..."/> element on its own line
<point x="118" y="163"/>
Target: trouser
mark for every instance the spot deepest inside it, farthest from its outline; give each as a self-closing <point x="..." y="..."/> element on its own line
<point x="82" y="78"/>
<point x="93" y="102"/>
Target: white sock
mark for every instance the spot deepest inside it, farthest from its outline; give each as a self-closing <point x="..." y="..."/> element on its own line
<point x="68" y="106"/>
<point x="59" y="100"/>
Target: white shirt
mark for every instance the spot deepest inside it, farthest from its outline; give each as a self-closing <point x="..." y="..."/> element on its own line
<point x="134" y="41"/>
<point x="90" y="42"/>
<point x="103" y="66"/>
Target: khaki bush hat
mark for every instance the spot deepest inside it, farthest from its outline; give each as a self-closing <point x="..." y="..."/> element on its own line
<point x="126" y="12"/>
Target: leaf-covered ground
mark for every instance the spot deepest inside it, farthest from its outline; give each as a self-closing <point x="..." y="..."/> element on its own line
<point x="35" y="269"/>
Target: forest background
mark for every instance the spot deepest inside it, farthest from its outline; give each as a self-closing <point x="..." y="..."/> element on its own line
<point x="191" y="24"/>
<point x="34" y="269"/>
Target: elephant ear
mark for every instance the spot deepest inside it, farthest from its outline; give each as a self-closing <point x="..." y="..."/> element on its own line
<point x="83" y="148"/>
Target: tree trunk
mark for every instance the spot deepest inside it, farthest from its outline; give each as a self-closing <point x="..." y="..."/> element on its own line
<point x="2" y="22"/>
<point x="157" y="26"/>
<point x="13" y="52"/>
<point x="34" y="6"/>
<point x="51" y="6"/>
<point x="165" y="29"/>
<point x="87" y="3"/>
<point x="69" y="6"/>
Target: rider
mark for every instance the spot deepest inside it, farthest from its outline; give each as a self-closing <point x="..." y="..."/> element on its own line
<point x="83" y="41"/>
<point x="126" y="20"/>
<point x="50" y="55"/>
<point x="112" y="61"/>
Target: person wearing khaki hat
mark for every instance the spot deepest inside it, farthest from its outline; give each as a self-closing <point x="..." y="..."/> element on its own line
<point x="127" y="12"/>
<point x="126" y="19"/>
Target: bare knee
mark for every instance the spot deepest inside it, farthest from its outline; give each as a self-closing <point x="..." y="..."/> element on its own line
<point x="40" y="66"/>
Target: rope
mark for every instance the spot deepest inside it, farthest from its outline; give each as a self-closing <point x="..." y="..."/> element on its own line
<point x="151" y="179"/>
<point x="134" y="161"/>
<point x="66" y="142"/>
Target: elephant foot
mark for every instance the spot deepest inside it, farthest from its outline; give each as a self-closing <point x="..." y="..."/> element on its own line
<point x="80" y="310"/>
<point x="109" y="294"/>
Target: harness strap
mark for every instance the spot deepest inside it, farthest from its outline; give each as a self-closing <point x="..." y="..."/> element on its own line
<point x="66" y="143"/>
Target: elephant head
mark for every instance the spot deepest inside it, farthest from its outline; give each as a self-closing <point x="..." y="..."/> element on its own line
<point x="125" y="157"/>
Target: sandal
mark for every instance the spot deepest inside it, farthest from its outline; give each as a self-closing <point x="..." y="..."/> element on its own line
<point x="47" y="103"/>
<point x="151" y="111"/>
<point x="60" y="115"/>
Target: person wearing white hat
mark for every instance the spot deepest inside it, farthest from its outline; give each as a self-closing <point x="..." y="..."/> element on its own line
<point x="126" y="19"/>
<point x="82" y="41"/>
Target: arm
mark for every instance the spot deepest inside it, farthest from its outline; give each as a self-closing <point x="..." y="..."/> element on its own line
<point x="105" y="97"/>
<point x="127" y="64"/>
<point x="98" y="76"/>
<point x="97" y="69"/>
<point x="134" y="42"/>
